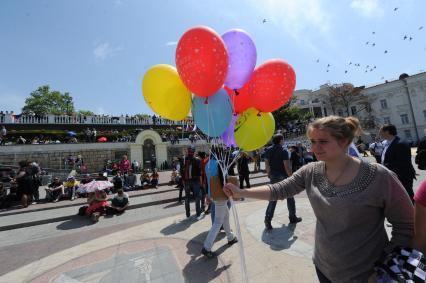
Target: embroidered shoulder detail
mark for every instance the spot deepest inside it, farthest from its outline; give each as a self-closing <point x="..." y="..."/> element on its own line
<point x="365" y="176"/>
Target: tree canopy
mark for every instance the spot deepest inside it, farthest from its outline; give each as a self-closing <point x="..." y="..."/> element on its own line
<point x="45" y="101"/>
<point x="290" y="112"/>
<point x="343" y="95"/>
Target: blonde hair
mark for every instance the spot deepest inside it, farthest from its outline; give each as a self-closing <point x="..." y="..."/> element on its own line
<point x="341" y="128"/>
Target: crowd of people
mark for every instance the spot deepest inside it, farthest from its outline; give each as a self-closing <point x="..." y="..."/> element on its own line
<point x="353" y="200"/>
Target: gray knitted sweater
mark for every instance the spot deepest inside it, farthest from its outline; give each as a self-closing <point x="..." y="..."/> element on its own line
<point x="350" y="234"/>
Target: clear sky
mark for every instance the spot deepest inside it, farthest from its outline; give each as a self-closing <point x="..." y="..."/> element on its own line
<point x="99" y="50"/>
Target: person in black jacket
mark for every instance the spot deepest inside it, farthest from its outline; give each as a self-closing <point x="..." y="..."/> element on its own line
<point x="191" y="177"/>
<point x="396" y="156"/>
<point x="421" y="154"/>
<point x="243" y="170"/>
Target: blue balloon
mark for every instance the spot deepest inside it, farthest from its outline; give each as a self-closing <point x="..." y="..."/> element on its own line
<point x="212" y="114"/>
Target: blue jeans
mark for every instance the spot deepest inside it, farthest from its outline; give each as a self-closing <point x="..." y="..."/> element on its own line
<point x="212" y="210"/>
<point x="291" y="203"/>
<point x="193" y="185"/>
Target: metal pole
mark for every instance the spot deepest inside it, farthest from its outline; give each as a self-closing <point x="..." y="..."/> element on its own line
<point x="412" y="111"/>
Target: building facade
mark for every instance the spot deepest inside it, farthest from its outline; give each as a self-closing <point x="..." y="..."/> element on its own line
<point x="399" y="102"/>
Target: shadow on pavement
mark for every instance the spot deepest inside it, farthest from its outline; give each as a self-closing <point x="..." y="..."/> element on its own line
<point x="74" y="223"/>
<point x="280" y="238"/>
<point x="200" y="268"/>
<point x="178" y="226"/>
<point x="174" y="204"/>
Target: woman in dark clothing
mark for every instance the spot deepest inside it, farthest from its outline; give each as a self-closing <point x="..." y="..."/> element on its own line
<point x="25" y="184"/>
<point x="295" y="158"/>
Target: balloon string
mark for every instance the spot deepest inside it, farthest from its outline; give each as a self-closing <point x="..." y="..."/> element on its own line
<point x="206" y="101"/>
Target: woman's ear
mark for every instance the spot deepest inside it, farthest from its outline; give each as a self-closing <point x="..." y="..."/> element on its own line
<point x="343" y="143"/>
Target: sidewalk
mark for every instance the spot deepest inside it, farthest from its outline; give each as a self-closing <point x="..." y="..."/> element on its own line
<point x="168" y="250"/>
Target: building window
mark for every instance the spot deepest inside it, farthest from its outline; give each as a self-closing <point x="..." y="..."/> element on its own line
<point x="353" y="110"/>
<point x="383" y="104"/>
<point x="404" y="119"/>
<point x="302" y="102"/>
<point x="386" y="120"/>
<point x="340" y="113"/>
<point x="325" y="112"/>
<point x="424" y="114"/>
<point x="408" y="134"/>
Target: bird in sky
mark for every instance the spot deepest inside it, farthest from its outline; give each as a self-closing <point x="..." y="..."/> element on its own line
<point x="373" y="32"/>
<point x="405" y="37"/>
<point x="350" y="63"/>
<point x="346" y="71"/>
<point x="374" y="67"/>
<point x="317" y="60"/>
<point x="264" y="21"/>
<point x="411" y="38"/>
<point x="328" y="71"/>
<point x="420" y="28"/>
<point x="373" y="44"/>
<point x="367" y="43"/>
<point x="382" y="78"/>
<point x="328" y="65"/>
<point x="394" y="9"/>
<point x="386" y="51"/>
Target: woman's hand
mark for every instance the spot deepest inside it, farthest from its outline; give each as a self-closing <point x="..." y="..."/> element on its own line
<point x="233" y="191"/>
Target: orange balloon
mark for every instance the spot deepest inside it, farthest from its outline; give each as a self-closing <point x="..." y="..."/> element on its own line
<point x="202" y="61"/>
<point x="271" y="85"/>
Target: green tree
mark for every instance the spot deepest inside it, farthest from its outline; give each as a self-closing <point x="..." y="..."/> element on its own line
<point x="85" y="112"/>
<point x="142" y="116"/>
<point x="45" y="101"/>
<point x="290" y="112"/>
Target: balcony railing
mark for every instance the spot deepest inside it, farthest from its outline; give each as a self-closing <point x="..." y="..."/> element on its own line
<point x="87" y="120"/>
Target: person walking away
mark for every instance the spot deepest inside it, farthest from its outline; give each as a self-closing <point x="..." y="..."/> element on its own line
<point x="25" y="183"/>
<point x="278" y="168"/>
<point x="243" y="169"/>
<point x="421" y="153"/>
<point x="221" y="209"/>
<point x="396" y="156"/>
<point x="295" y="158"/>
<point x="351" y="199"/>
<point x="191" y="176"/>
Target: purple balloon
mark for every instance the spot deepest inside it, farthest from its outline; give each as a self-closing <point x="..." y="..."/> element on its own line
<point x="242" y="57"/>
<point x="228" y="136"/>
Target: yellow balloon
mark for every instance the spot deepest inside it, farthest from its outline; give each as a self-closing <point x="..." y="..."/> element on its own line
<point x="253" y="129"/>
<point x="165" y="93"/>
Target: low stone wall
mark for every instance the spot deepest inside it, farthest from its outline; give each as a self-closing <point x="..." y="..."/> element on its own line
<point x="54" y="155"/>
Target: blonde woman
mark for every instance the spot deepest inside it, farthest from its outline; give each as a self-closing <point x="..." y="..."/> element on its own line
<point x="351" y="200"/>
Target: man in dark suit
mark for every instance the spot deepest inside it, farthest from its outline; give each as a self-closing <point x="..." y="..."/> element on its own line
<point x="396" y="156"/>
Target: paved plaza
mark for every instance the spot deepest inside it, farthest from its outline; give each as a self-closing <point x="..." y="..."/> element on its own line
<point x="159" y="244"/>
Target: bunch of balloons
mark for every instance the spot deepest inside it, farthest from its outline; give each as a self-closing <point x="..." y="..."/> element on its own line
<point x="217" y="80"/>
